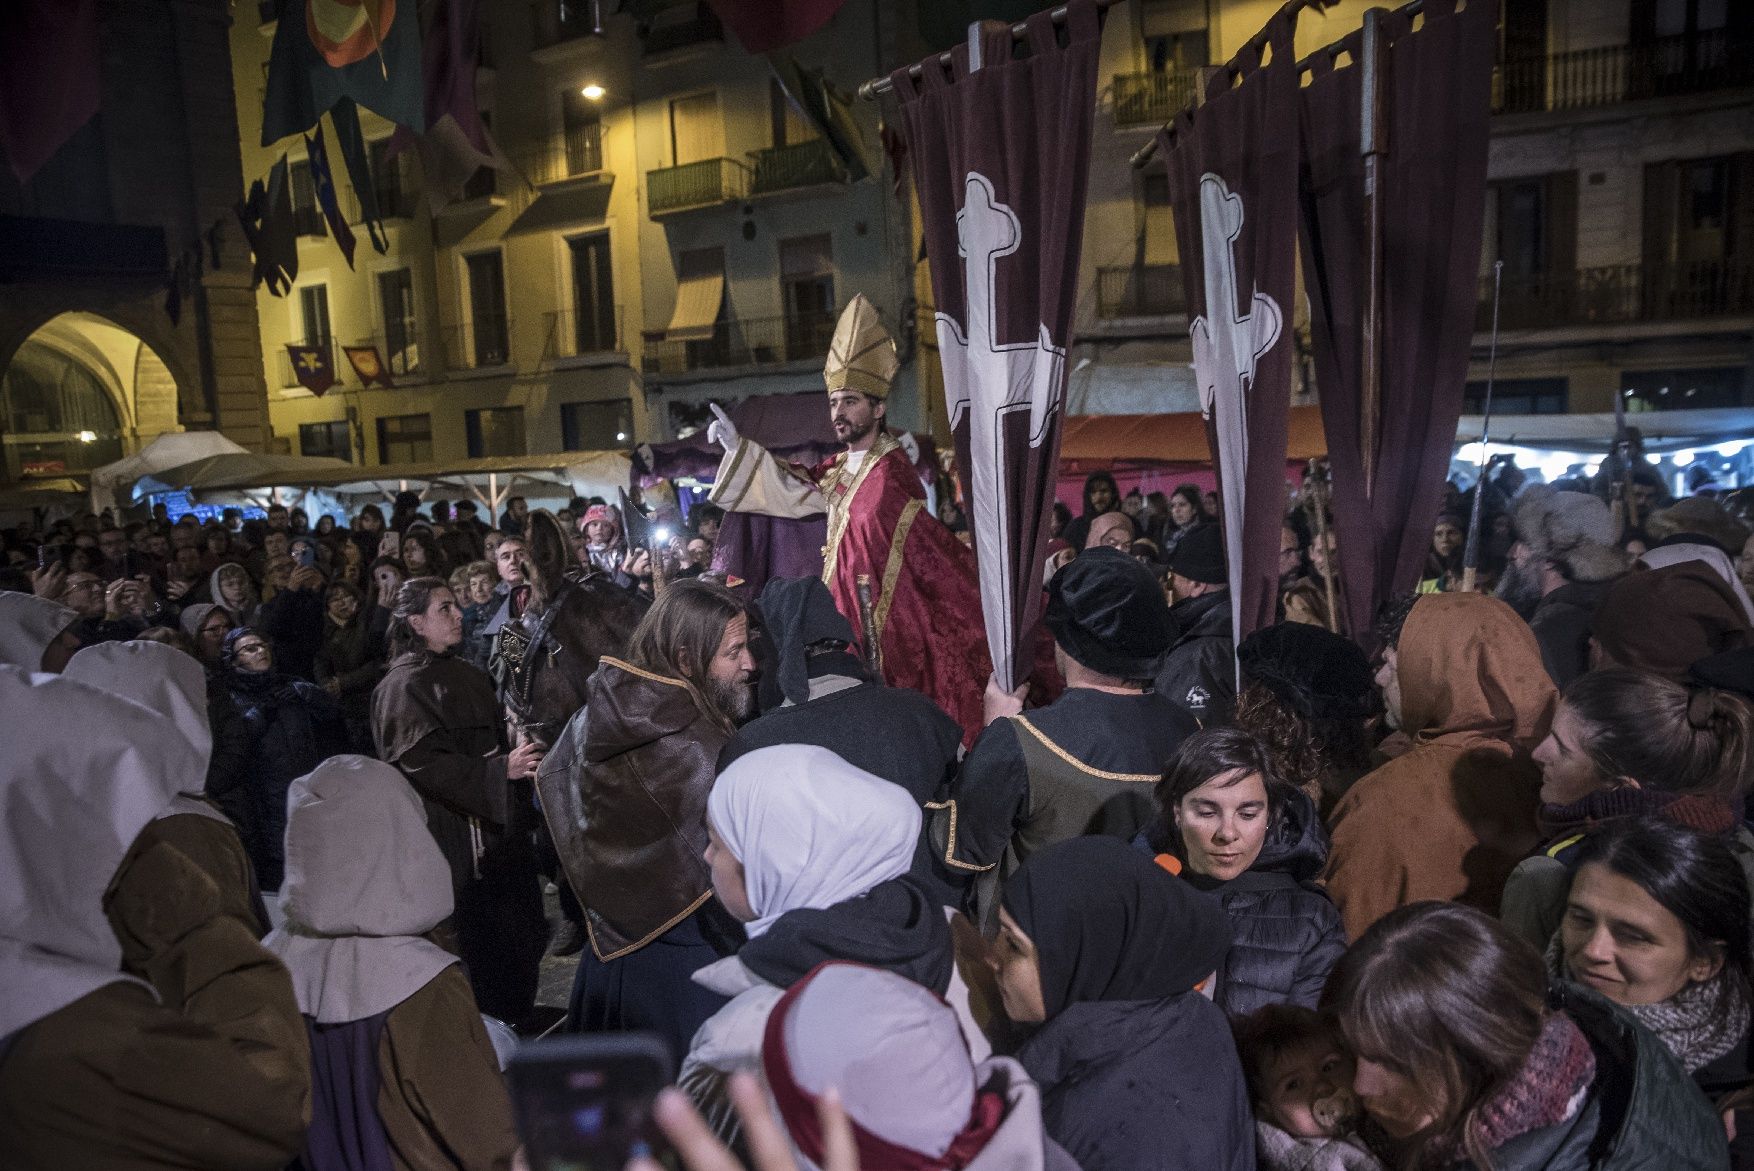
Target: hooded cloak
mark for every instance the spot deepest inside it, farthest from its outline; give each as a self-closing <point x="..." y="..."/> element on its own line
<point x="365" y="881"/>
<point x="28" y="624"/>
<point x="1664" y="620"/>
<point x="71" y="805"/>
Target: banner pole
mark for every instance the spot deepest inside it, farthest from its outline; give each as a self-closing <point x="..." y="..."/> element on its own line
<point x="1471" y="550"/>
<point x="1374" y="139"/>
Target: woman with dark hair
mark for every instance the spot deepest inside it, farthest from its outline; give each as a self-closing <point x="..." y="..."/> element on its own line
<point x="1306" y="694"/>
<point x="1657" y="921"/>
<point x="437" y="719"/>
<point x="286" y="727"/>
<point x="1058" y="520"/>
<point x="1230" y="827"/>
<point x="1106" y="952"/>
<point x="1101" y="495"/>
<point x="350" y="660"/>
<point x="1468" y="1055"/>
<point x="368" y="531"/>
<point x="1187" y="512"/>
<point x="1443" y="561"/>
<point x="420" y="553"/>
<point x="326" y="527"/>
<point x="1628" y="746"/>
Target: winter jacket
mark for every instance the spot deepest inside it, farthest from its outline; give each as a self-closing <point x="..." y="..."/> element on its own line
<point x="1143" y="1085"/>
<point x="1561" y="623"/>
<point x="355" y="660"/>
<point x="294" y="620"/>
<point x="1286" y="932"/>
<point x="1200" y="670"/>
<point x="624" y="792"/>
<point x="287" y="728"/>
<point x="1642" y="1113"/>
<point x="896" y="926"/>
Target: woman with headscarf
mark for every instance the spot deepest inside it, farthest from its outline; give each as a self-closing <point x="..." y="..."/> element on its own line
<point x="811" y="855"/>
<point x="287" y="727"/>
<point x="895" y="1055"/>
<point x="203" y="1062"/>
<point x="436" y="718"/>
<point x="1100" y="495"/>
<point x="1106" y="951"/>
<point x="230" y="586"/>
<point x="173" y="685"/>
<point x="36" y="633"/>
<point x="206" y="624"/>
<point x="405" y="1074"/>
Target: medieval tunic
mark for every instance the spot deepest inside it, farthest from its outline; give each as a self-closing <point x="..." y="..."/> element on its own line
<point x="435" y="718"/>
<point x="1451" y="817"/>
<point x="925" y="598"/>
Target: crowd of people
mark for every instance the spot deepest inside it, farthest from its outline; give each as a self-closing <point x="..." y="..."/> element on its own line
<point x="1476" y="897"/>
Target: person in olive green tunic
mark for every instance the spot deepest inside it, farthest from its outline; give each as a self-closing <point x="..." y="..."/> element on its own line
<point x="365" y="884"/>
<point x="201" y="1060"/>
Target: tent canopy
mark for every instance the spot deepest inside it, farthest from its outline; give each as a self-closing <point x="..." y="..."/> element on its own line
<point x="1591" y="432"/>
<point x="112" y="481"/>
<point x="1091" y="443"/>
<point x="239" y="469"/>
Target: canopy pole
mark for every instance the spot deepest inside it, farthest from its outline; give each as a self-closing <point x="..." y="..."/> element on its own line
<point x="877" y="86"/>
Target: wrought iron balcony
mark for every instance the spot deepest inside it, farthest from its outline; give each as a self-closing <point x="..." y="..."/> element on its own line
<point x="1140" y="290"/>
<point x="481" y="343"/>
<point x="575" y="154"/>
<point x="1660" y="68"/>
<point x="555" y="22"/>
<point x="803" y="164"/>
<point x="288" y="378"/>
<point x="1621" y="293"/>
<point x="1151" y="99"/>
<point x="755" y="341"/>
<point x="702" y="29"/>
<point x="572" y="334"/>
<point x="699" y="184"/>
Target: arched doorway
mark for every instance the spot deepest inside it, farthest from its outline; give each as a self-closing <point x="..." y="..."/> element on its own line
<point x="78" y="393"/>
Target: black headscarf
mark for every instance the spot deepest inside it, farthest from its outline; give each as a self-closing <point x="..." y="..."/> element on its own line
<point x="797" y="612"/>
<point x="1316" y="673"/>
<point x="1108" y="923"/>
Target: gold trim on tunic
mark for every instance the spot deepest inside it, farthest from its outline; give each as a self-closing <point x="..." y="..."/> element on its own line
<point x="1102" y="774"/>
<point x="840" y="507"/>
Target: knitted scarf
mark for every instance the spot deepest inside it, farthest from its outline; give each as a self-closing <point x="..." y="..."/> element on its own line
<point x="1710" y="815"/>
<point x="1548" y="1089"/>
<point x="1699" y="1024"/>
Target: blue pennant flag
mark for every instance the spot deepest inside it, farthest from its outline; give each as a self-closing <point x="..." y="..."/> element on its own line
<point x="323" y="179"/>
<point x="326" y="50"/>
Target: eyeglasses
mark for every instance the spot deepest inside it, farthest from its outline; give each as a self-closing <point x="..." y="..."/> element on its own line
<point x="252" y="649"/>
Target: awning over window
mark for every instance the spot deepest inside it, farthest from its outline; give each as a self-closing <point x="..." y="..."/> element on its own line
<point x="700" y="298"/>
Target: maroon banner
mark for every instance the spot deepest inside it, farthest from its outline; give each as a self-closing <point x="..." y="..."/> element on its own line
<point x="1233" y="187"/>
<point x="999" y="145"/>
<point x="368" y="364"/>
<point x="1436" y="97"/>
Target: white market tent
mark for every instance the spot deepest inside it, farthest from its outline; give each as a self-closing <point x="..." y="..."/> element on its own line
<point x="111" y="484"/>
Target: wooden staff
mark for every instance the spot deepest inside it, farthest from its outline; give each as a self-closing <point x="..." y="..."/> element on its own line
<point x="868" y="624"/>
<point x="1315" y="502"/>
<point x="1471" y="550"/>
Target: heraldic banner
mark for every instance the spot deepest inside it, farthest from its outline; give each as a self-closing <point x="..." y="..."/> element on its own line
<point x="1436" y="94"/>
<point x="1233" y="189"/>
<point x="999" y="144"/>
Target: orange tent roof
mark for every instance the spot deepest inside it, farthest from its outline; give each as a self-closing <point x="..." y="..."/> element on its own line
<point x="1092" y="442"/>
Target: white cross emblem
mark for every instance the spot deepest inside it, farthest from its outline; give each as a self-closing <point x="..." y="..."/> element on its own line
<point x="1227" y="343"/>
<point x="310" y="361"/>
<point x="988" y="381"/>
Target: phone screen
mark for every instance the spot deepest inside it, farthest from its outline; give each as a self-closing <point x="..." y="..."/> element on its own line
<point x="585" y="1103"/>
<point x="307" y="555"/>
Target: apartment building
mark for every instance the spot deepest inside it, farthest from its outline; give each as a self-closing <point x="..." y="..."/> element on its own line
<point x="97" y="356"/>
<point x="672" y="230"/>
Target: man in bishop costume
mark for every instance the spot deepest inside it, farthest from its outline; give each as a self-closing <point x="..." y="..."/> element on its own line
<point x="925" y="599"/>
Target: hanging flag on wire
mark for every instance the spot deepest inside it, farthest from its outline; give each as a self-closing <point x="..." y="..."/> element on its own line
<point x="323" y="179"/>
<point x="999" y="145"/>
<point x="368" y="364"/>
<point x="266" y="217"/>
<point x="456" y="142"/>
<point x="1233" y="187"/>
<point x="326" y="50"/>
<point x="312" y="366"/>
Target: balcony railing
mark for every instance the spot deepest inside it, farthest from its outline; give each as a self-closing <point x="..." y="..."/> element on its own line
<point x="1140" y="290"/>
<point x="1621" y="293"/>
<point x="1665" y="67"/>
<point x="404" y="358"/>
<point x="576" y="153"/>
<point x="757" y="341"/>
<point x="307" y="220"/>
<point x="290" y="379"/>
<point x="803" y="164"/>
<point x="480" y="343"/>
<point x="704" y="28"/>
<point x="554" y="22"/>
<point x="572" y="334"/>
<point x="699" y="184"/>
<point x="1151" y="99"/>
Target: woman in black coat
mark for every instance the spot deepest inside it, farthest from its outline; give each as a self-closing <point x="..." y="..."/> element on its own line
<point x="1231" y="829"/>
<point x="350" y="661"/>
<point x="1106" y="951"/>
<point x="285" y="727"/>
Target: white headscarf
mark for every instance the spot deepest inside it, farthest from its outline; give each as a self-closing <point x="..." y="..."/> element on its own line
<point x="810" y="829"/>
<point x="81" y="773"/>
<point x="364" y="880"/>
<point x="1666" y="555"/>
<point x="28" y="624"/>
<point x="169" y="682"/>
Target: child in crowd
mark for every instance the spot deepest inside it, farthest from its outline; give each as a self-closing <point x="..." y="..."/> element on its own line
<point x="1300" y="1080"/>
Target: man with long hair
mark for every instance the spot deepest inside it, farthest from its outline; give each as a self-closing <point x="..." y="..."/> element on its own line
<point x="624" y="790"/>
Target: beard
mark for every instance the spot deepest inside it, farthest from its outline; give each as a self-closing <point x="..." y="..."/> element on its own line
<point x="856" y="433"/>
<point x="735" y="699"/>
<point x="1519" y="587"/>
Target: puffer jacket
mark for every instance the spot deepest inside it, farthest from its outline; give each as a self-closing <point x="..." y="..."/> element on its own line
<point x="1143" y="1085"/>
<point x="624" y="791"/>
<point x="1200" y="670"/>
<point x="1642" y="1113"/>
<point x="1286" y="932"/>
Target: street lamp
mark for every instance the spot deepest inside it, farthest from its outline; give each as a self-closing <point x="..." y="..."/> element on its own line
<point x="592" y="92"/>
